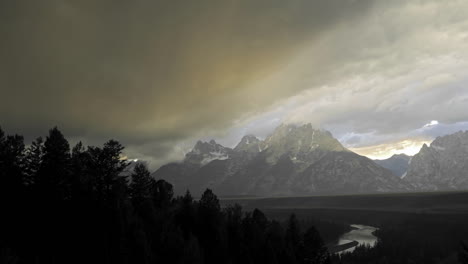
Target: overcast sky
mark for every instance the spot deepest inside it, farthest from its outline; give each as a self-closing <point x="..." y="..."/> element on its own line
<point x="383" y="76"/>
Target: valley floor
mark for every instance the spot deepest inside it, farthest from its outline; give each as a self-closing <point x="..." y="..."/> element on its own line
<point x="422" y="202"/>
<point x="413" y="227"/>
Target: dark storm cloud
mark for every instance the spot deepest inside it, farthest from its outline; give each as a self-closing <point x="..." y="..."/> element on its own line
<point x="159" y="74"/>
<point x="148" y="70"/>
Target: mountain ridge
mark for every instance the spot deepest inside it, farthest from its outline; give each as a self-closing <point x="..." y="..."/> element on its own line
<point x="443" y="165"/>
<point x="293" y="160"/>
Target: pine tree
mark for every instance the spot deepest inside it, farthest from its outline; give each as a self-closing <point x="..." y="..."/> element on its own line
<point x="313" y="250"/>
<point x="140" y="187"/>
<point x="113" y="163"/>
<point x="12" y="151"/>
<point x="12" y="192"/>
<point x="186" y="215"/>
<point x="187" y="199"/>
<point x="234" y="215"/>
<point x="293" y="232"/>
<point x="162" y="193"/>
<point x="209" y="201"/>
<point x="81" y="184"/>
<point x="53" y="177"/>
<point x="33" y="160"/>
<point x="293" y="238"/>
<point x="105" y="166"/>
<point x="211" y="234"/>
<point x="259" y="219"/>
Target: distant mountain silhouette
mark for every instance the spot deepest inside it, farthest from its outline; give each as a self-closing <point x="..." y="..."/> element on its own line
<point x="397" y="163"/>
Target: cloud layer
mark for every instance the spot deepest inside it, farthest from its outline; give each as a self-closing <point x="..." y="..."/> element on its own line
<point x="159" y="74"/>
<point x="384" y="77"/>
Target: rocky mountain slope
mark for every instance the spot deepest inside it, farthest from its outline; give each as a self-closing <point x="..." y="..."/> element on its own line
<point x="293" y="160"/>
<point x="397" y="163"/>
<point x="441" y="166"/>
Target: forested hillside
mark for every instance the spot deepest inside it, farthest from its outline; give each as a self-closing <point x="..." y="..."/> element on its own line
<point x="74" y="206"/>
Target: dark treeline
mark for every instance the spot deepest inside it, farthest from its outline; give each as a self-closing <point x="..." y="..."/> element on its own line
<point x="330" y="229"/>
<point x="62" y="205"/>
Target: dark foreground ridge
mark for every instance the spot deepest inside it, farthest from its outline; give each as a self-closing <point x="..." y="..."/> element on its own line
<point x="77" y="206"/>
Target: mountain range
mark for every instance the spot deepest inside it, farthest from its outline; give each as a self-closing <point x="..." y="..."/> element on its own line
<point x="300" y="160"/>
<point x="293" y="160"/>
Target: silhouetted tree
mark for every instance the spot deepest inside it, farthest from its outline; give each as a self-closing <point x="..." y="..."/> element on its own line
<point x="54" y="174"/>
<point x="140" y="187"/>
<point x="276" y="237"/>
<point x="210" y="222"/>
<point x="293" y="237"/>
<point x="254" y="226"/>
<point x="113" y="164"/>
<point x="260" y="220"/>
<point x="186" y="215"/>
<point x="162" y="193"/>
<point x="312" y="249"/>
<point x="234" y="231"/>
<point x="82" y="184"/>
<point x="12" y="192"/>
<point x="209" y="201"/>
<point x="33" y="160"/>
<point x="12" y="152"/>
<point x="105" y="166"/>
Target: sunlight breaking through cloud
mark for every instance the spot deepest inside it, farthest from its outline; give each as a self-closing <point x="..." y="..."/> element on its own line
<point x="382" y="151"/>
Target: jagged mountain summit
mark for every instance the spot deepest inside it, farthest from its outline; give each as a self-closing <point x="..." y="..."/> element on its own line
<point x="397" y="163"/>
<point x="293" y="160"/>
<point x="249" y="144"/>
<point x="205" y="152"/>
<point x="441" y="166"/>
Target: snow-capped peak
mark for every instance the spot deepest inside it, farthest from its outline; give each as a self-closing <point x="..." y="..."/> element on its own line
<point x="205" y="152"/>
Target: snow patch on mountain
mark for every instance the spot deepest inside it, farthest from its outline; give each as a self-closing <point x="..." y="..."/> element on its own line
<point x="214" y="156"/>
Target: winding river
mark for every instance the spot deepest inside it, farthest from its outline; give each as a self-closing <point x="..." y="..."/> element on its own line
<point x="362" y="234"/>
